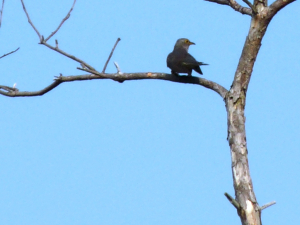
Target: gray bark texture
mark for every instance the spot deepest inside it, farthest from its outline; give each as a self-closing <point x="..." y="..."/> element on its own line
<point x="248" y="209"/>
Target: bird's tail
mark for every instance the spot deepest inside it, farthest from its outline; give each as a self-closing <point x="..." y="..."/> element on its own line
<point x="202" y="64"/>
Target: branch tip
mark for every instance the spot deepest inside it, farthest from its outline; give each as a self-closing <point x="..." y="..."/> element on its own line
<point x="62" y="22"/>
<point x="267" y="205"/>
<point x="118" y="68"/>
<point x="110" y="55"/>
<point x="10" y="53"/>
<point x="29" y="20"/>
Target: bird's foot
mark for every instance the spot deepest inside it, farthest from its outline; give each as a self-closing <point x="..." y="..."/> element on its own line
<point x="174" y="73"/>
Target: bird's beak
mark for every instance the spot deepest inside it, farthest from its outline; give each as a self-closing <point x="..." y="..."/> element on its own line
<point x="191" y="43"/>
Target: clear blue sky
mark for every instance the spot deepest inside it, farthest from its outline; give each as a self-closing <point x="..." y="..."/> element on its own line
<point x="143" y="152"/>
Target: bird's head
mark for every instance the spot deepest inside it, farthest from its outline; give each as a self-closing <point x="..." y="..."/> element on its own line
<point x="183" y="43"/>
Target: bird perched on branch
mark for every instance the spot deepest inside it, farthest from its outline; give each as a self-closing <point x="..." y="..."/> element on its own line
<point x="180" y="61"/>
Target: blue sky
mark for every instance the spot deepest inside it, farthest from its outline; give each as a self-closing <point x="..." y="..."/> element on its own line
<point x="143" y="152"/>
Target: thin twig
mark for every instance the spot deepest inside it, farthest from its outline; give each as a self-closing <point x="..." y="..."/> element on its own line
<point x="9" y="89"/>
<point x="44" y="41"/>
<point x="64" y="19"/>
<point x="29" y="21"/>
<point x="118" y="68"/>
<point x="9" y="53"/>
<point x="91" y="71"/>
<point x="68" y="55"/>
<point x="267" y="205"/>
<point x="1" y="12"/>
<point x="120" y="78"/>
<point x="110" y="55"/>
<point x="232" y="201"/>
<point x="221" y="2"/>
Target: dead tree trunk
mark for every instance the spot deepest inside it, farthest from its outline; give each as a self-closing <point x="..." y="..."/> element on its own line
<point x="247" y="207"/>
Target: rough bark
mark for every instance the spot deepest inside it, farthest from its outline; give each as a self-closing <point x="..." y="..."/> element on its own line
<point x="248" y="208"/>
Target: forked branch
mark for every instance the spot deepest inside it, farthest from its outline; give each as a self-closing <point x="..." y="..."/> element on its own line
<point x="13" y="92"/>
<point x="54" y="32"/>
<point x="94" y="74"/>
<point x="56" y="48"/>
<point x="254" y="11"/>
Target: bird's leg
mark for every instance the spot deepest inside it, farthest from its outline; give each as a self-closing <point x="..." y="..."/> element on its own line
<point x="174" y="73"/>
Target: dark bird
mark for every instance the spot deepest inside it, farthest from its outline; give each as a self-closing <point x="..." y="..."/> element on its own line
<point x="180" y="61"/>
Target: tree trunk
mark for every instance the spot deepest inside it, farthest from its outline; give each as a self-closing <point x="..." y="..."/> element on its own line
<point x="248" y="208"/>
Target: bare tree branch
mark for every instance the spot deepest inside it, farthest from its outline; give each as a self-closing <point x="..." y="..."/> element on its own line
<point x="9" y="89"/>
<point x="251" y="6"/>
<point x="1" y="12"/>
<point x="44" y="41"/>
<point x="110" y="55"/>
<point x="233" y="4"/>
<point x="267" y="205"/>
<point x="54" y="32"/>
<point x="29" y="21"/>
<point x="276" y="6"/>
<point x="9" y="53"/>
<point x="13" y="92"/>
<point x="67" y="55"/>
<point x="64" y="19"/>
<point x="118" y="68"/>
<point x="232" y="201"/>
<point x="221" y="2"/>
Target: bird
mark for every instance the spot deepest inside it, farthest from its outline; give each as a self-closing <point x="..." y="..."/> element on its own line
<point x="180" y="61"/>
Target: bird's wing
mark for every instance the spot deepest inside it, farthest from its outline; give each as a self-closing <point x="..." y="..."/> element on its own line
<point x="190" y="61"/>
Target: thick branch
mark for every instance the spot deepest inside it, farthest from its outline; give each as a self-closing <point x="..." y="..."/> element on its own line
<point x="276" y="6"/>
<point x="120" y="78"/>
<point x="233" y="4"/>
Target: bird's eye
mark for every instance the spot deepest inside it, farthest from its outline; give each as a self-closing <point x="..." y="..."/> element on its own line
<point x="186" y="41"/>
